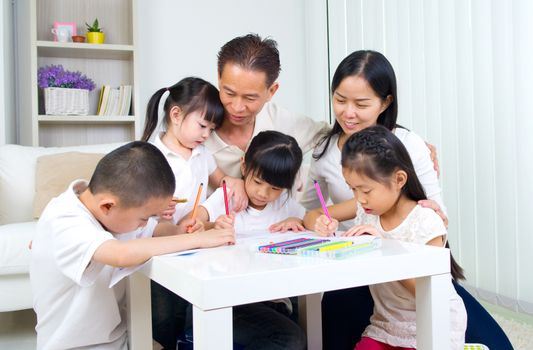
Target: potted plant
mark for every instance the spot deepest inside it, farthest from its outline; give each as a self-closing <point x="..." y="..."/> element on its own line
<point x="94" y="33"/>
<point x="65" y="92"/>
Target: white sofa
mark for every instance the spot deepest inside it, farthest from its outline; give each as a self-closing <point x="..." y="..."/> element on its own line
<point x="17" y="190"/>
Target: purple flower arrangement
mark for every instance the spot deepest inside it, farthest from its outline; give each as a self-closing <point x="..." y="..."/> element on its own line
<point x="57" y="76"/>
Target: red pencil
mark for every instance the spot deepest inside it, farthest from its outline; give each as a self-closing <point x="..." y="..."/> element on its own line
<point x="225" y="196"/>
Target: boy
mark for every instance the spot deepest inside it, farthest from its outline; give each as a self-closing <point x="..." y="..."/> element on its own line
<point x="75" y="249"/>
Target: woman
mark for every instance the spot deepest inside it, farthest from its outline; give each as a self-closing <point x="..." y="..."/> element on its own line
<point x="364" y="94"/>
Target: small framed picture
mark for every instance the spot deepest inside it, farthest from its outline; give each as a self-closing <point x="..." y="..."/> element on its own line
<point x="63" y="31"/>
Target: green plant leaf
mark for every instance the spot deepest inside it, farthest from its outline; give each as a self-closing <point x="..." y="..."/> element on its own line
<point x="95" y="27"/>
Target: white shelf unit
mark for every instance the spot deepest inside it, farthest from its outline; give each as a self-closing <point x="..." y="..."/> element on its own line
<point x="112" y="63"/>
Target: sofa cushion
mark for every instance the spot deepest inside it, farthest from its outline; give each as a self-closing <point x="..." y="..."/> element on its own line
<point x="17" y="176"/>
<point x="55" y="172"/>
<point x="14" y="250"/>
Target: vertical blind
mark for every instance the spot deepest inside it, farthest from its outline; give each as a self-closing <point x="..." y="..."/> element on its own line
<point x="465" y="81"/>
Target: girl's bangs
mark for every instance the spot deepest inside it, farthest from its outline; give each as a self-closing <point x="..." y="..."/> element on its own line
<point x="277" y="172"/>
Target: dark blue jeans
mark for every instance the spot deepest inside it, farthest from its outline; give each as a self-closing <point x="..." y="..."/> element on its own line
<point x="346" y="313"/>
<point x="255" y="326"/>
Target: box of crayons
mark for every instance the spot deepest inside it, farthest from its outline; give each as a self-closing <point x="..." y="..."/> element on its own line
<point x="323" y="248"/>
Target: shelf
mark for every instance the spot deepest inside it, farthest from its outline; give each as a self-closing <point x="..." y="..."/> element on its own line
<point x="84" y="50"/>
<point x="112" y="63"/>
<point x="86" y="119"/>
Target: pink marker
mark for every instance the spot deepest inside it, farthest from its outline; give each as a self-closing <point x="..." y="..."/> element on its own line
<point x="321" y="198"/>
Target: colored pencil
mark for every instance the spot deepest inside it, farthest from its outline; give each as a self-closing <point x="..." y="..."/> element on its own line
<point x="225" y="196"/>
<point x="321" y="198"/>
<point x="179" y="200"/>
<point x="195" y="208"/>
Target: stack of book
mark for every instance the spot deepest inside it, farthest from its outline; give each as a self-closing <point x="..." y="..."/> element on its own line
<point x="114" y="101"/>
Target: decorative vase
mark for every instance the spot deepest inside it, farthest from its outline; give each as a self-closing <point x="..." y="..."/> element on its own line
<point x="63" y="101"/>
<point x="78" y="38"/>
<point x="95" y="37"/>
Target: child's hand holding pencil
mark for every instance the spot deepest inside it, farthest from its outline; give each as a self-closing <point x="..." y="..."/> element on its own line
<point x="190" y="225"/>
<point x="195" y="208"/>
<point x="326" y="226"/>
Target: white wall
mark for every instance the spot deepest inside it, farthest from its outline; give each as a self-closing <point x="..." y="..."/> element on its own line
<point x="7" y="82"/>
<point x="182" y="38"/>
<point x="465" y="73"/>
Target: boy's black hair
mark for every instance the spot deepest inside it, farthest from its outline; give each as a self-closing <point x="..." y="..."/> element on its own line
<point x="377" y="153"/>
<point x="190" y="94"/>
<point x="135" y="173"/>
<point x="274" y="157"/>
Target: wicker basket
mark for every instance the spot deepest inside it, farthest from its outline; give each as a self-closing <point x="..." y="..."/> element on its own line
<point x="63" y="101"/>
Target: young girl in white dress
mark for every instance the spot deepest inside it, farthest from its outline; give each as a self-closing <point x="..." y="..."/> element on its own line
<point x="378" y="169"/>
<point x="192" y="110"/>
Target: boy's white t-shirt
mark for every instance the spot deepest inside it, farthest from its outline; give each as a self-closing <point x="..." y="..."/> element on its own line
<point x="75" y="306"/>
<point x="252" y="219"/>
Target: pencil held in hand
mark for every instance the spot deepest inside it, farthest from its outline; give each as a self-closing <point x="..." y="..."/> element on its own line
<point x="225" y="190"/>
<point x="179" y="200"/>
<point x="321" y="198"/>
<point x="195" y="208"/>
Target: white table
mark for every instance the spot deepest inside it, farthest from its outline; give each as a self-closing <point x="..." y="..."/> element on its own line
<point x="215" y="280"/>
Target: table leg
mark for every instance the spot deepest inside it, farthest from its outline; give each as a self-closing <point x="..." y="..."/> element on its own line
<point x="310" y="319"/>
<point x="213" y="329"/>
<point x="433" y="312"/>
<point x="139" y="312"/>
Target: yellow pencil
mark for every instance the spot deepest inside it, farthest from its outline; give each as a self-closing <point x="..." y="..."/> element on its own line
<point x="333" y="246"/>
<point x="179" y="200"/>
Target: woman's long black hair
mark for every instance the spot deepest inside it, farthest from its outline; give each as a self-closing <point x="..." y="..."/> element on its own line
<point x="377" y="153"/>
<point x="190" y="94"/>
<point x="378" y="72"/>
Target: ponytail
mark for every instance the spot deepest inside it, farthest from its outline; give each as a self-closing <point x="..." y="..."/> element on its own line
<point x="456" y="270"/>
<point x="190" y="94"/>
<point x="152" y="114"/>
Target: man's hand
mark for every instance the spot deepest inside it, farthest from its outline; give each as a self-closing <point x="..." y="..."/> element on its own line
<point x="428" y="203"/>
<point x="434" y="159"/>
